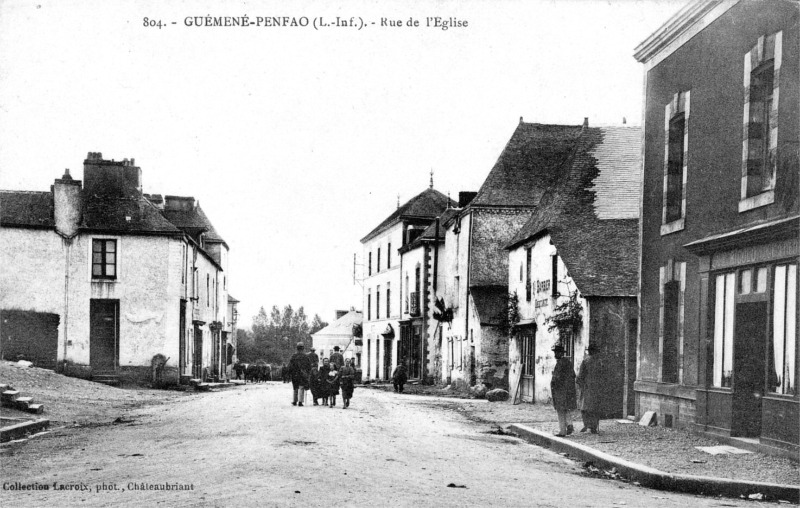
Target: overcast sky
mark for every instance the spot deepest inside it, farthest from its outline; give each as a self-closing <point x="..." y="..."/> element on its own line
<point x="298" y="141"/>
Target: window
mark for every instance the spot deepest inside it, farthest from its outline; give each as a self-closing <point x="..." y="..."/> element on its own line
<point x="676" y="141"/>
<point x="208" y="290"/>
<point x="673" y="286"/>
<point x="456" y="291"/>
<point x="406" y="292"/>
<point x="378" y="263"/>
<point x="378" y="302"/>
<point x="723" y="330"/>
<point x="554" y="282"/>
<point x="369" y="264"/>
<point x="528" y="291"/>
<point x="388" y="300"/>
<point x="389" y="256"/>
<point x="369" y="304"/>
<point x="760" y="134"/>
<point x="104" y="259"/>
<point x="781" y="359"/>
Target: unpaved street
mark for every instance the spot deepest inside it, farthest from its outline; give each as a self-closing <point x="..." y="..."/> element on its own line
<point x="249" y="446"/>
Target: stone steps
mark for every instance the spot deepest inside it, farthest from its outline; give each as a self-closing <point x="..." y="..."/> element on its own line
<point x="9" y="397"/>
<point x="106" y="379"/>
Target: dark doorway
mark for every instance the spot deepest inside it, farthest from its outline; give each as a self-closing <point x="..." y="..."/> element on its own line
<point x="415" y="368"/>
<point x="182" y="339"/>
<point x="749" y="350"/>
<point x="197" y="356"/>
<point x="387" y="359"/>
<point x="103" y="335"/>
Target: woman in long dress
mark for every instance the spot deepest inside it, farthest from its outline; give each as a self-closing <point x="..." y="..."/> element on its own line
<point x="347" y="375"/>
<point x="322" y="380"/>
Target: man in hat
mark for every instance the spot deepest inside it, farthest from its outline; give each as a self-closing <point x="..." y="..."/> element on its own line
<point x="313" y="358"/>
<point x="562" y="388"/>
<point x="337" y="358"/>
<point x="300" y="367"/>
<point x="590" y="385"/>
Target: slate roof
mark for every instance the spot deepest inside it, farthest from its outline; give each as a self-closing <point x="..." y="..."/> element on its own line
<point x="600" y="253"/>
<point x="26" y="209"/>
<point x="529" y="163"/>
<point x="124" y="215"/>
<point x="491" y="303"/>
<point x="428" y="204"/>
<point x="429" y="234"/>
<point x="194" y="220"/>
<point x="342" y="326"/>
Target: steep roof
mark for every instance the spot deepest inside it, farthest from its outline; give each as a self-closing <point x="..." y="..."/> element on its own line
<point x="598" y="242"/>
<point x="530" y="162"/>
<point x="193" y="220"/>
<point x="342" y="326"/>
<point x="428" y="204"/>
<point x="429" y="234"/>
<point x="491" y="303"/>
<point x="124" y="215"/>
<point x="26" y="209"/>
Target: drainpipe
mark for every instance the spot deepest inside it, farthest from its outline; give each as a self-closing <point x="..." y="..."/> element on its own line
<point x="67" y="244"/>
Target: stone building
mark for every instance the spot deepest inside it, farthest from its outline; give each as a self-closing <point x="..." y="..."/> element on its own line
<point x="573" y="270"/>
<point x="115" y="280"/>
<point x="475" y="346"/>
<point x="720" y="221"/>
<point x="383" y="283"/>
<point x="339" y="333"/>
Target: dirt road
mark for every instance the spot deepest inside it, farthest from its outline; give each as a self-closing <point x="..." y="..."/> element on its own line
<point x="249" y="446"/>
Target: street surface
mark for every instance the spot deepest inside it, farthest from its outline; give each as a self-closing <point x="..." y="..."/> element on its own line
<point x="248" y="446"/>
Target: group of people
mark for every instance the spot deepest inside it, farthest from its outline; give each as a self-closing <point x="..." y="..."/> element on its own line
<point x="336" y="374"/>
<point x="570" y="392"/>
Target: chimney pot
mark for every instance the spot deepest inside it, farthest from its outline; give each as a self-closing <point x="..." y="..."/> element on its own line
<point x="624" y="120"/>
<point x="520" y="119"/>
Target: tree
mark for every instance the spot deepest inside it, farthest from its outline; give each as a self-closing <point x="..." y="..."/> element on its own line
<point x="317" y="324"/>
<point x="273" y="337"/>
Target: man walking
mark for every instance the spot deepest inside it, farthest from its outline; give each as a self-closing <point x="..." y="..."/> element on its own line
<point x="337" y="358"/>
<point x="400" y="376"/>
<point x="300" y="367"/>
<point x="313" y="357"/>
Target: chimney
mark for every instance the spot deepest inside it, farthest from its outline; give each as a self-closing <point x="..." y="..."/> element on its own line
<point x="340" y="313"/>
<point x="520" y="119"/>
<point x="585" y="121"/>
<point x="109" y="178"/>
<point x="67" y="205"/>
<point x="624" y="120"/>
<point x="464" y="198"/>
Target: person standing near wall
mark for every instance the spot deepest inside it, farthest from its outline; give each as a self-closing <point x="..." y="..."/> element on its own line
<point x="300" y="367"/>
<point x="337" y="358"/>
<point x="590" y="384"/>
<point x="562" y="387"/>
<point x="400" y="376"/>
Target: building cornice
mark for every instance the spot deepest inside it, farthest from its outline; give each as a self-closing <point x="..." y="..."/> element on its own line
<point x="679" y="29"/>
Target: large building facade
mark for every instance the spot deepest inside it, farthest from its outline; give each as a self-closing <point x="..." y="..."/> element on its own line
<point x="383" y="281"/>
<point x="102" y="281"/>
<point x="720" y="221"/>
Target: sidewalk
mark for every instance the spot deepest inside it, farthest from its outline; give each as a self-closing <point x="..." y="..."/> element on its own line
<point x="655" y="457"/>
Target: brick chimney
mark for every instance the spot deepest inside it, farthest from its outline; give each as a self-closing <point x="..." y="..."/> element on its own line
<point x="67" y="205"/>
<point x="110" y="178"/>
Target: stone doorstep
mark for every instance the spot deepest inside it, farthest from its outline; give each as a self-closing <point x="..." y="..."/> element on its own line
<point x="35" y="408"/>
<point x="655" y="479"/>
<point x="23" y="402"/>
<point x="19" y="430"/>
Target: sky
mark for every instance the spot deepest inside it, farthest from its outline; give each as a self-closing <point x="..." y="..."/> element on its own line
<point x="297" y="140"/>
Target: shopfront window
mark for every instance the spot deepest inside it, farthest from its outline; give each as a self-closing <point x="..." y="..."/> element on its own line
<point x="723" y="330"/>
<point x="782" y="368"/>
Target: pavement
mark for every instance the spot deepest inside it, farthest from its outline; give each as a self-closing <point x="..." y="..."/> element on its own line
<point x="248" y="446"/>
<point x="653" y="457"/>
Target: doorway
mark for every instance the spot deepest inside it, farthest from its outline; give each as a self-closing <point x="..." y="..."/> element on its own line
<point x="103" y="335"/>
<point x="526" y="338"/>
<point x="749" y="370"/>
<point x="197" y="356"/>
<point x="182" y="339"/>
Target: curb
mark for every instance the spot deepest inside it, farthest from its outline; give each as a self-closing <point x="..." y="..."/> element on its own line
<point x="22" y="429"/>
<point x="655" y="479"/>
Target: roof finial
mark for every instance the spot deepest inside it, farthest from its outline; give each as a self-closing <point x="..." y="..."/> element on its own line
<point x="398" y="201"/>
<point x="431" y="178"/>
<point x="448" y="199"/>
